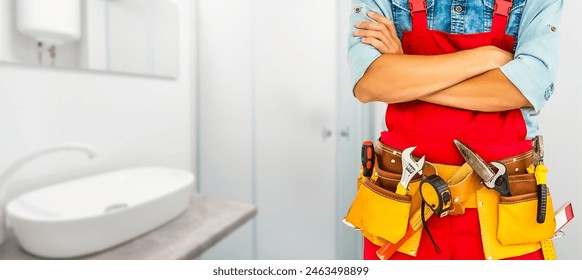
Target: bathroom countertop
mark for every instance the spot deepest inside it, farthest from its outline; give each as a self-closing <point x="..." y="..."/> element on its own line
<point x="206" y="221"/>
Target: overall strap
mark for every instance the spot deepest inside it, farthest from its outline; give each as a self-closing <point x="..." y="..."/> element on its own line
<point x="501" y="15"/>
<point x="498" y="25"/>
<point x="418" y="14"/>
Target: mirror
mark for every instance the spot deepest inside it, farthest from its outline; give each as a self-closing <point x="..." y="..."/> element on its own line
<point x="122" y="36"/>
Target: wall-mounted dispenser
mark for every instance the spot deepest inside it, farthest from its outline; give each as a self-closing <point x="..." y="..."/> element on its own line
<point x="53" y="23"/>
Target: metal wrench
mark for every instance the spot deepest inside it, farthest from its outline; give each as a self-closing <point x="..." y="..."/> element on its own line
<point x="410" y="167"/>
<point x="494" y="180"/>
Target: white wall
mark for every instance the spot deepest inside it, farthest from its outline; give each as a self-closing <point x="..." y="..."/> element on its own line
<point x="561" y="125"/>
<point x="4" y="28"/>
<point x="131" y="120"/>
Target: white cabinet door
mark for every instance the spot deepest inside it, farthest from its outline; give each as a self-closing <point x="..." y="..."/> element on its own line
<point x="295" y="66"/>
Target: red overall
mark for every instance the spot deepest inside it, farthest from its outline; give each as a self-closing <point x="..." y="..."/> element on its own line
<point x="431" y="129"/>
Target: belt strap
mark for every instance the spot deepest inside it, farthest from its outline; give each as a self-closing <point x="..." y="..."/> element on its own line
<point x="548" y="250"/>
<point x="389" y="159"/>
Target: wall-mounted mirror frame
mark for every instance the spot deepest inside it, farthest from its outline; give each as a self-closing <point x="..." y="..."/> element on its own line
<point x="139" y="37"/>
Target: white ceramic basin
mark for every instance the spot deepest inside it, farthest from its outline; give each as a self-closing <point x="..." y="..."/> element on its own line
<point x="92" y="214"/>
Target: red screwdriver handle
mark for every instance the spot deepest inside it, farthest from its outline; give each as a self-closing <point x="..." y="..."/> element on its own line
<point x="368" y="157"/>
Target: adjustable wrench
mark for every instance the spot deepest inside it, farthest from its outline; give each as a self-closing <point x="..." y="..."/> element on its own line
<point x="410" y="167"/>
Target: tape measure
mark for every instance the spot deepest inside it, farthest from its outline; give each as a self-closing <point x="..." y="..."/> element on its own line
<point x="436" y="194"/>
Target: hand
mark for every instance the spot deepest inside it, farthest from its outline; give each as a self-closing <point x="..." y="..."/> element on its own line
<point x="381" y="35"/>
<point x="503" y="56"/>
<point x="497" y="56"/>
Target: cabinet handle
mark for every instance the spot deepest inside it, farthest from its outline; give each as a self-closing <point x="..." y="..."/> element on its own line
<point x="326" y="133"/>
<point x="345" y="133"/>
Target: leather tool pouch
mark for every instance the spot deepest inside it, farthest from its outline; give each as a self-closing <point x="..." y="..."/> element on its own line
<point x="517" y="214"/>
<point x="387" y="180"/>
<point x="379" y="212"/>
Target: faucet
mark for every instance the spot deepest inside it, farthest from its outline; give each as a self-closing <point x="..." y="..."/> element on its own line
<point x="89" y="150"/>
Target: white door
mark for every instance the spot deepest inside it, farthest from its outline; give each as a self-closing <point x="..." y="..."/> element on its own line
<point x="295" y="66"/>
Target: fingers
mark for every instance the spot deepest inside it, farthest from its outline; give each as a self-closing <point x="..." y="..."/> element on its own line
<point x="385" y="21"/>
<point x="382" y="31"/>
<point x="373" y="26"/>
<point x="390" y="44"/>
<point x="379" y="45"/>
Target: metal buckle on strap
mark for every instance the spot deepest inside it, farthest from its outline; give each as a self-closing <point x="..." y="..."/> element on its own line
<point x="502" y="7"/>
<point x="417" y="5"/>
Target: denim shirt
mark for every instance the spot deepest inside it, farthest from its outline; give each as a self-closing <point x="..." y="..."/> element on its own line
<point x="534" y="23"/>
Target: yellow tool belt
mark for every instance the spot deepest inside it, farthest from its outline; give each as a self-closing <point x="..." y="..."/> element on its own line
<point x="508" y="224"/>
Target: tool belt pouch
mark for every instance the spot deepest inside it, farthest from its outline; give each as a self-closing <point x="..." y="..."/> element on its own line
<point x="379" y="212"/>
<point x="518" y="214"/>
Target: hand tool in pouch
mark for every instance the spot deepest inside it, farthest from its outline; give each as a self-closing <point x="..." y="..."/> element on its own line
<point x="368" y="157"/>
<point x="494" y="180"/>
<point x="540" y="173"/>
<point x="410" y="167"/>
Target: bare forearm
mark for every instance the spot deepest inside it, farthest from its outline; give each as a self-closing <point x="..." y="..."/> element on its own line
<point x="394" y="78"/>
<point x="488" y="92"/>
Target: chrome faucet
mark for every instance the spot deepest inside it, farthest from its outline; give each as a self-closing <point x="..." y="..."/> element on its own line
<point x="7" y="174"/>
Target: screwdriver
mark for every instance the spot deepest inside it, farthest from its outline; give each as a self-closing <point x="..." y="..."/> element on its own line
<point x="368" y="157"/>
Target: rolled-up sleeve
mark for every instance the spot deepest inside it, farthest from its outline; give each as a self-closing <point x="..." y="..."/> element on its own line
<point x="534" y="68"/>
<point x="361" y="55"/>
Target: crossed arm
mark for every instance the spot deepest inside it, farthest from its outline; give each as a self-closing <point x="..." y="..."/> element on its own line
<point x="468" y="79"/>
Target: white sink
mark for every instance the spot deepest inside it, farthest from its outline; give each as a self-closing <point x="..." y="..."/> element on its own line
<point x="92" y="214"/>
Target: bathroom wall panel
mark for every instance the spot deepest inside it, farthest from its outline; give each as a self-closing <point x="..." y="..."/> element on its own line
<point x="13" y="95"/>
<point x="27" y="129"/>
<point x="125" y="140"/>
<point x="225" y="112"/>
